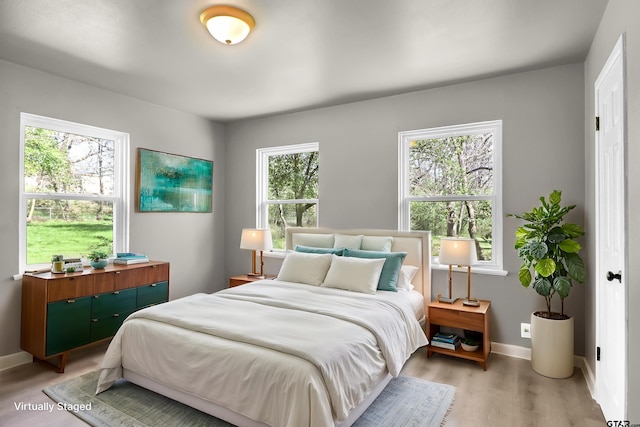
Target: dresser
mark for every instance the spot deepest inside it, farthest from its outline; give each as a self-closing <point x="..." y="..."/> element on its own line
<point x="61" y="312"/>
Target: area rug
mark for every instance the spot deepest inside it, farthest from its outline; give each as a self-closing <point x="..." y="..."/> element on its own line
<point x="405" y="402"/>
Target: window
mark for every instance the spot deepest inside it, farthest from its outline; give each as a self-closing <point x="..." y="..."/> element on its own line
<point x="450" y="184"/>
<point x="287" y="188"/>
<point x="73" y="190"/>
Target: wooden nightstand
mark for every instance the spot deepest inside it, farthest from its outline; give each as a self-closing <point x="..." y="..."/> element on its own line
<point x="460" y="316"/>
<point x="245" y="278"/>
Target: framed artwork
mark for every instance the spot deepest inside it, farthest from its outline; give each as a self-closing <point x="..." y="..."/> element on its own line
<point x="172" y="183"/>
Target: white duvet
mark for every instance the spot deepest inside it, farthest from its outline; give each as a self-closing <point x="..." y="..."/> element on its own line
<point x="281" y="353"/>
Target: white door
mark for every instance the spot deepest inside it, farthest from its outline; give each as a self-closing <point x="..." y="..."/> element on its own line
<point x="611" y="329"/>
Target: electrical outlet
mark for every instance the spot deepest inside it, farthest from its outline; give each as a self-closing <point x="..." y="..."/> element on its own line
<point x="525" y="330"/>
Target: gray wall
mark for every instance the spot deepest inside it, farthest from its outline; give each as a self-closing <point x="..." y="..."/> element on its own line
<point x="620" y="17"/>
<point x="543" y="149"/>
<point x="193" y="243"/>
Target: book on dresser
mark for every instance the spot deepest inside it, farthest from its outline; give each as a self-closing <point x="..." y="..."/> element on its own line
<point x="127" y="258"/>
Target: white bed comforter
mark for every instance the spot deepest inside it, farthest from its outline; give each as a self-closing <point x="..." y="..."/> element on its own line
<point x="264" y="348"/>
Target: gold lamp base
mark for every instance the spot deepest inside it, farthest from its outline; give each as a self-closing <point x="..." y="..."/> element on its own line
<point x="471" y="302"/>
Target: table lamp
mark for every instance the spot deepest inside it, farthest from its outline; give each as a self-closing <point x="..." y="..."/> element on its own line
<point x="256" y="240"/>
<point x="460" y="252"/>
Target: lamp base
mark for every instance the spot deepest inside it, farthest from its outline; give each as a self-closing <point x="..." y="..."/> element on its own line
<point x="446" y="300"/>
<point x="257" y="275"/>
<point x="471" y="302"/>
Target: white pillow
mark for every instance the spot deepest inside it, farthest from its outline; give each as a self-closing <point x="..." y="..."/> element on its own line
<point x="313" y="240"/>
<point x="300" y="267"/>
<point x="376" y="243"/>
<point x="354" y="274"/>
<point x="407" y="273"/>
<point x="346" y="241"/>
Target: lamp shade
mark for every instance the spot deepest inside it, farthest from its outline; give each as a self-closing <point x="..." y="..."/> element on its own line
<point x="227" y="24"/>
<point x="256" y="239"/>
<point x="455" y="251"/>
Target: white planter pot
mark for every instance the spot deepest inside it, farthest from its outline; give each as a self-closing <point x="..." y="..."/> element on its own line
<point x="552" y="347"/>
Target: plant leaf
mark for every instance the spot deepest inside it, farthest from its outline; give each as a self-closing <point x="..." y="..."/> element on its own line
<point x="537" y="249"/>
<point x="545" y="267"/>
<point x="562" y="285"/>
<point x="542" y="286"/>
<point x="570" y="246"/>
<point x="556" y="235"/>
<point x="555" y="197"/>
<point x="525" y="276"/>
<point x="573" y="230"/>
<point x="575" y="267"/>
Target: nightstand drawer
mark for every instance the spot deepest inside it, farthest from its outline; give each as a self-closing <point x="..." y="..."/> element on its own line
<point x="456" y="319"/>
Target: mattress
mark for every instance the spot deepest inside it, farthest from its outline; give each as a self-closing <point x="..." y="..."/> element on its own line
<point x="310" y="366"/>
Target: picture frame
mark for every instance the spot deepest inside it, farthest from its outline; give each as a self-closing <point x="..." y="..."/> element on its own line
<point x="168" y="182"/>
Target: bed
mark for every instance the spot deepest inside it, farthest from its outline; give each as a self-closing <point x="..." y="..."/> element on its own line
<point x="284" y="352"/>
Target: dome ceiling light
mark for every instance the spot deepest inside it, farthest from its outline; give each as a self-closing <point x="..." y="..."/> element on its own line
<point x="227" y="24"/>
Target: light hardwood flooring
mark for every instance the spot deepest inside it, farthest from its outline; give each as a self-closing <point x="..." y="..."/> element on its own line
<point x="509" y="393"/>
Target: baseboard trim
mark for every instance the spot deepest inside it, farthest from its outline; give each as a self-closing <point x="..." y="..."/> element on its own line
<point x="15" y="359"/>
<point x="589" y="375"/>
<point x="511" y="350"/>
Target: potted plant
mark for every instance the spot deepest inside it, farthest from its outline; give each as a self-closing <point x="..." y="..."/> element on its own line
<point x="99" y="253"/>
<point x="470" y="344"/>
<point x="57" y="264"/>
<point x="550" y="264"/>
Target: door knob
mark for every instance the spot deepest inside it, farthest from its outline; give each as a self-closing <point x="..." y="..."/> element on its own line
<point x="611" y="276"/>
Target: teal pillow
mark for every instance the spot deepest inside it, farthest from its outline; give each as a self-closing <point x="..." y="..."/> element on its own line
<point x="390" y="270"/>
<point x="313" y="250"/>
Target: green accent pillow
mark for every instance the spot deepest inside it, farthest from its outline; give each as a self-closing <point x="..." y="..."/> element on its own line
<point x="314" y="250"/>
<point x="390" y="270"/>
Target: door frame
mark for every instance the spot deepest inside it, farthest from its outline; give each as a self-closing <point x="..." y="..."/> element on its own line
<point x="617" y="53"/>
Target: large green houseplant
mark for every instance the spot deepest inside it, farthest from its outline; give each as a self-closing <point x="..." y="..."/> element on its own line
<point x="549" y="252"/>
<point x="551" y="262"/>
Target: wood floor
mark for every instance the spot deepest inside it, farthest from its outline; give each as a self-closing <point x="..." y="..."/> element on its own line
<point x="509" y="393"/>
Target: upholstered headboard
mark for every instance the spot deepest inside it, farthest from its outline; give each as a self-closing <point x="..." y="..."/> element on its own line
<point x="417" y="245"/>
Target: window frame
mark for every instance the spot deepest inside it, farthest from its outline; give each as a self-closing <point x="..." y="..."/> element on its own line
<point x="121" y="178"/>
<point x="262" y="182"/>
<point x="496" y="265"/>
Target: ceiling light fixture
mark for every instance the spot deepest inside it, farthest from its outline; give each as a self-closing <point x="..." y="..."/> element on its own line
<point x="227" y="24"/>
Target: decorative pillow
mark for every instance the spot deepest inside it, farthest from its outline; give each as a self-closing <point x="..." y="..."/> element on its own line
<point x="391" y="269"/>
<point x="354" y="274"/>
<point x="407" y="273"/>
<point x="301" y="267"/>
<point x="346" y="241"/>
<point x="313" y="240"/>
<point x="376" y="243"/>
<point x="312" y="250"/>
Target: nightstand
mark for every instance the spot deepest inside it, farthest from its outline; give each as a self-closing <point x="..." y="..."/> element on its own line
<point x="245" y="278"/>
<point x="460" y="316"/>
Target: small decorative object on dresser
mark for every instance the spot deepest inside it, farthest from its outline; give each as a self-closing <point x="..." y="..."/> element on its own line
<point x="57" y="264"/>
<point x="98" y="259"/>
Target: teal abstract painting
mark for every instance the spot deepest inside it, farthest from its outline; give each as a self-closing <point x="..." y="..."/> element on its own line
<point x="172" y="183"/>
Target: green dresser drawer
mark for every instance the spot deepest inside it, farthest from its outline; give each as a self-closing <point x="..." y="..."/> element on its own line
<point x="153" y="294"/>
<point x="110" y="303"/>
<point x="68" y="324"/>
<point x="107" y="326"/>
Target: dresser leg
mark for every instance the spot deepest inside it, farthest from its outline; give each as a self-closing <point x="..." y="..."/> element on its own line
<point x="59" y="368"/>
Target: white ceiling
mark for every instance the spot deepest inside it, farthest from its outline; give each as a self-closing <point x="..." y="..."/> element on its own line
<point x="302" y="54"/>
